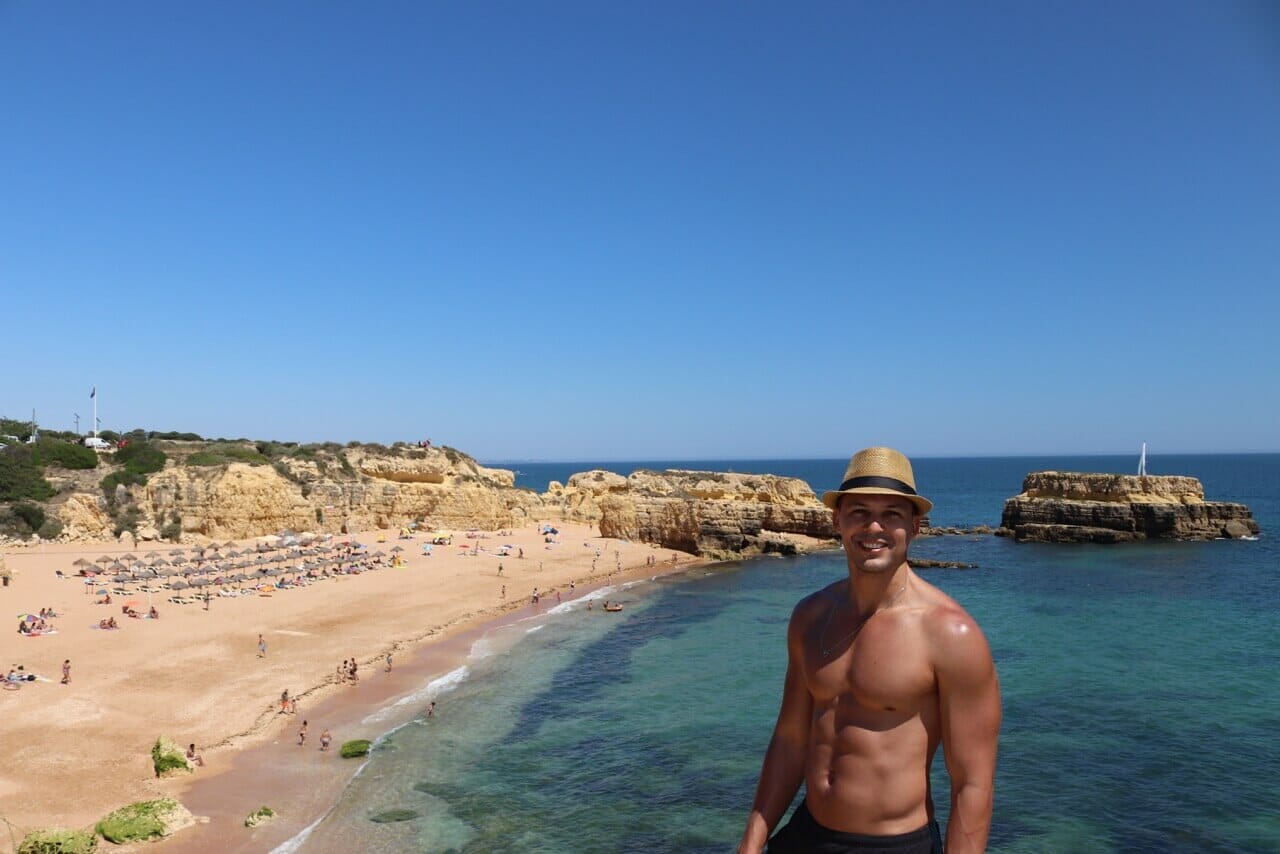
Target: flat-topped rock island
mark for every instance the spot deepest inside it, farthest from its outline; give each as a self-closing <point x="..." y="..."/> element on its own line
<point x="1079" y="507"/>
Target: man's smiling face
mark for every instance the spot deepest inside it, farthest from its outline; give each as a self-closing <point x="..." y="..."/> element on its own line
<point x="875" y="530"/>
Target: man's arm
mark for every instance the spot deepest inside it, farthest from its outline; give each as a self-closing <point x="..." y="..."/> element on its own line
<point x="784" y="761"/>
<point x="969" y="705"/>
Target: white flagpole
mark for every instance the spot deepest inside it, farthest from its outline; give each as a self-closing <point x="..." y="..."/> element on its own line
<point x="94" y="397"/>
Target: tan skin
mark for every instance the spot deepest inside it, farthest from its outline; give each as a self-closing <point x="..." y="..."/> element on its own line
<point x="905" y="669"/>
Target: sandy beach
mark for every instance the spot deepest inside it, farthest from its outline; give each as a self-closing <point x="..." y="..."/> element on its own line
<point x="76" y="751"/>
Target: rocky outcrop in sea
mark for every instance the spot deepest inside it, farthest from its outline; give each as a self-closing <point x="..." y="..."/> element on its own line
<point x="1076" y="507"/>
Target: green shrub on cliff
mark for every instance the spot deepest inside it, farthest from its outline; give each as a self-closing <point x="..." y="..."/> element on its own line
<point x="137" y="822"/>
<point x="52" y="452"/>
<point x="55" y="840"/>
<point x="204" y="458"/>
<point x="30" y="513"/>
<point x="141" y="457"/>
<point x="20" y="477"/>
<point x="116" y="478"/>
<point x="352" y="749"/>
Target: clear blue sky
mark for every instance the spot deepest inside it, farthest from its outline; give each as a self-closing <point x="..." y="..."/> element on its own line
<point x="648" y="230"/>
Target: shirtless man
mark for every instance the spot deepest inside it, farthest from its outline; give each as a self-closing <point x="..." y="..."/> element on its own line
<point x="882" y="667"/>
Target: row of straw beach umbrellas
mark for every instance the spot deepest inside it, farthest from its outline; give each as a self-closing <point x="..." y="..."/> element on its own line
<point x="210" y="565"/>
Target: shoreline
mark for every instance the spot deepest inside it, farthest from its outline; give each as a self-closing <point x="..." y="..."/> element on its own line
<point x="79" y="751"/>
<point x="302" y="784"/>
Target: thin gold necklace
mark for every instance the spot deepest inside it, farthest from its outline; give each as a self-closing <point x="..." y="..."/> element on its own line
<point x="827" y="650"/>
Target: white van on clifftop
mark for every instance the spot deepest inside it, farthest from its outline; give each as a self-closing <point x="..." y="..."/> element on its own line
<point x="97" y="444"/>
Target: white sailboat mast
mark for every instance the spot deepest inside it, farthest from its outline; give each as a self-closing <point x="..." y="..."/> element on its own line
<point x="1142" y="461"/>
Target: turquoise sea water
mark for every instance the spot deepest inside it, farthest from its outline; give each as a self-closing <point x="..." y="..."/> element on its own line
<point x="1140" y="689"/>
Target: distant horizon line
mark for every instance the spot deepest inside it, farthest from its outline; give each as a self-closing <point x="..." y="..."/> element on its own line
<point x="1070" y="455"/>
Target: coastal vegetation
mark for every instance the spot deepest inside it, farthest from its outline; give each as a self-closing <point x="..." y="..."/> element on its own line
<point x="56" y="452"/>
<point x="21" y="477"/>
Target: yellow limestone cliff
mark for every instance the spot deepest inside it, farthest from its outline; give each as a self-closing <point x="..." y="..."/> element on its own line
<point x="361" y="488"/>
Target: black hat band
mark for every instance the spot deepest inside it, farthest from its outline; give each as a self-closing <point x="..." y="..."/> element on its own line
<point x="875" y="480"/>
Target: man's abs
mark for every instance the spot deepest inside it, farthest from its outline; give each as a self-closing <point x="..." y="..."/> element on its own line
<point x="881" y="786"/>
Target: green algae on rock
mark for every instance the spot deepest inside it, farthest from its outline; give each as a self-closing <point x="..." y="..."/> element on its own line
<point x="359" y="747"/>
<point x="56" y="840"/>
<point x="259" y="816"/>
<point x="144" y="820"/>
<point x="167" y="757"/>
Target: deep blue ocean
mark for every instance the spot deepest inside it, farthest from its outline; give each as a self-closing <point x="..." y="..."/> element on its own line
<point x="1141" y="690"/>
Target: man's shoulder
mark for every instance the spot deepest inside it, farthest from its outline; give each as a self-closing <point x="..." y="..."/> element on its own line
<point x="818" y="599"/>
<point x="954" y="636"/>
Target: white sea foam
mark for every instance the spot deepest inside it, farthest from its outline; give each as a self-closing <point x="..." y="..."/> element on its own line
<point x="422" y="696"/>
<point x="535" y="629"/>
<point x="291" y="845"/>
<point x="482" y="648"/>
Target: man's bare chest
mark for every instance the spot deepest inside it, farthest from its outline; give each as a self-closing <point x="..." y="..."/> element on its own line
<point x="883" y="666"/>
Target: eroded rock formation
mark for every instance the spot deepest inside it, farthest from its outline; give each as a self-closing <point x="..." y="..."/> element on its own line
<point x="1074" y="507"/>
<point x="357" y="490"/>
<point x="710" y="513"/>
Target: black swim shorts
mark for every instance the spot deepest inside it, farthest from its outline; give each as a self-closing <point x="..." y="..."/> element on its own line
<point x="803" y="835"/>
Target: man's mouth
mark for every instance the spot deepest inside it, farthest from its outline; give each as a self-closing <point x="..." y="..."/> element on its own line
<point x="872" y="546"/>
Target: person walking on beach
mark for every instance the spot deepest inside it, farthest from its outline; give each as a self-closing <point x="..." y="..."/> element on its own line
<point x="302" y="733"/>
<point x="388" y="662"/>
<point x="262" y="647"/>
<point x="882" y="667"/>
<point x="66" y="672"/>
<point x="325" y="738"/>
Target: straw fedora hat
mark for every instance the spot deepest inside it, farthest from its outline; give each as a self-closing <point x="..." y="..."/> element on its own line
<point x="879" y="471"/>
